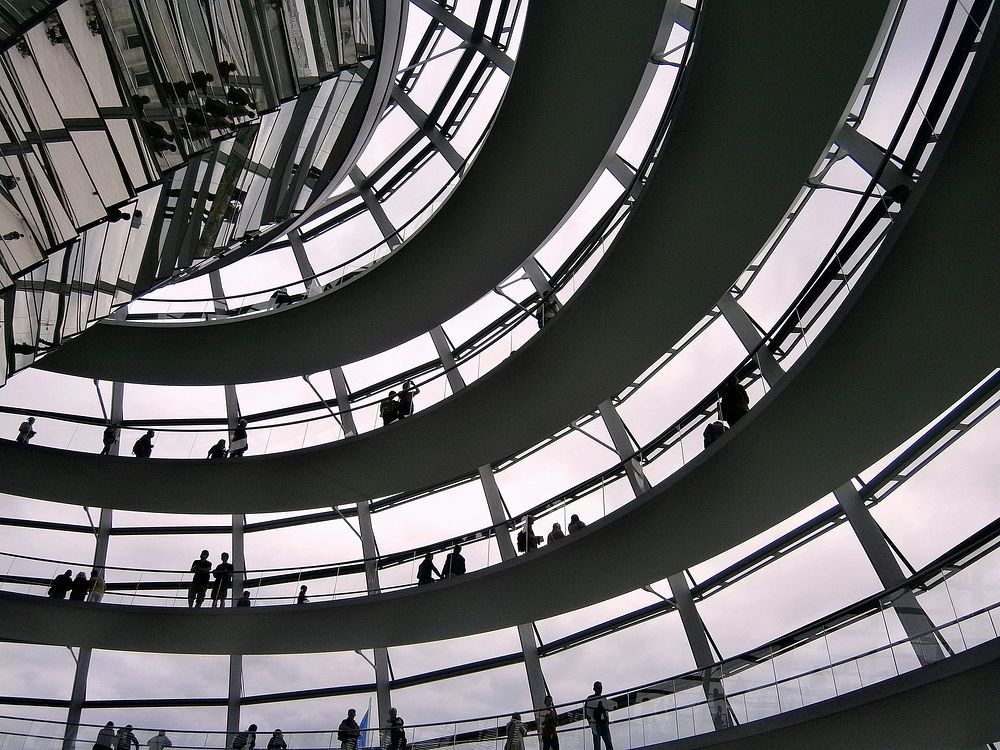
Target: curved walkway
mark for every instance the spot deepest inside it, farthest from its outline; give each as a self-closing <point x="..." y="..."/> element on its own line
<point x="578" y="69"/>
<point x="915" y="335"/>
<point x="739" y="94"/>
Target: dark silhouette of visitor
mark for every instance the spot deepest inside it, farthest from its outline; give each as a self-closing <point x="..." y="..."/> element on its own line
<point x="575" y="524"/>
<point x="245" y="740"/>
<point x="161" y="145"/>
<point x="106" y="737"/>
<point x="97" y="587"/>
<point x="595" y="710"/>
<point x="425" y="569"/>
<point x="61" y="585"/>
<point x="735" y="402"/>
<point x="397" y="735"/>
<point x="244" y="601"/>
<point x="348" y="732"/>
<point x="241" y="97"/>
<point x="277" y="741"/>
<point x="11" y="236"/>
<point x="713" y="432"/>
<point x="155" y="130"/>
<point x="110" y="437"/>
<point x="226" y="69"/>
<point x="143" y="447"/>
<point x="302" y="598"/>
<point x="527" y="540"/>
<point x="406" y="395"/>
<point x="388" y="408"/>
<point x="223" y="575"/>
<point x="202" y="569"/>
<point x="556" y="534"/>
<point x="139" y="102"/>
<point x="25" y="431"/>
<point x="78" y="591"/>
<point x="454" y="563"/>
<point x="548" y="722"/>
<point x="238" y="445"/>
<point x="218" y="451"/>
<point x="125" y="739"/>
<point x="201" y="80"/>
<point x="546" y="309"/>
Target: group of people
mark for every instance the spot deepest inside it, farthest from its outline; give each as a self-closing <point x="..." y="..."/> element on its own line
<point x="454" y="565"/>
<point x="143" y="447"/>
<point x="125" y="739"/>
<point x="220" y="579"/>
<point x="397" y="406"/>
<point x="596" y="710"/>
<point x="80" y="588"/>
<point x="528" y="540"/>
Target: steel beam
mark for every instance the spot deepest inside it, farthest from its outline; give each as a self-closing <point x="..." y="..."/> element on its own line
<point x="428" y="128"/>
<point x="302" y="258"/>
<point x="369" y="549"/>
<point x="750" y="337"/>
<point x="918" y="626"/>
<point x="871" y="157"/>
<point x="466" y="33"/>
<point x="623" y="447"/>
<point x="343" y="394"/>
<point x="443" y="348"/>
<point x="375" y="209"/>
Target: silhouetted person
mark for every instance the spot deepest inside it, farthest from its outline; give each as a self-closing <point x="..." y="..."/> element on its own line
<point x="155" y="130"/>
<point x="143" y="447"/>
<point x="216" y="107"/>
<point x="110" y="437"/>
<point x="425" y="569"/>
<point x="595" y="711"/>
<point x="556" y="534"/>
<point x="388" y="408"/>
<point x="302" y="598"/>
<point x="139" y="102"/>
<point x="201" y="80"/>
<point x="548" y="722"/>
<point x="11" y="236"/>
<point x="25" y="432"/>
<point x="713" y="432"/>
<point x="226" y="69"/>
<point x="199" y="118"/>
<point x="348" y="732"/>
<point x="575" y="524"/>
<point x="125" y="739"/>
<point x="245" y="740"/>
<point x="454" y="563"/>
<point x="240" y="96"/>
<point x="223" y="575"/>
<point x="244" y="601"/>
<point x="735" y="401"/>
<point x="277" y="741"/>
<point x="406" y="395"/>
<point x="515" y="733"/>
<point x="97" y="587"/>
<point x="178" y="91"/>
<point x="78" y="591"/>
<point x="527" y="540"/>
<point x="61" y="585"/>
<point x="218" y="451"/>
<point x="106" y="737"/>
<point x="159" y="741"/>
<point x="238" y="445"/>
<point x="397" y="735"/>
<point x="546" y="309"/>
<point x="202" y="570"/>
<point x="160" y="145"/>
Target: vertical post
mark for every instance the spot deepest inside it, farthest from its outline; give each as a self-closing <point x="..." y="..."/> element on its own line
<point x="623" y="446"/>
<point x="78" y="694"/>
<point x="370" y="550"/>
<point x="701" y="649"/>
<point x="343" y="401"/>
<point x="918" y="626"/>
<point x="385" y="226"/>
<point x="302" y="258"/>
<point x="443" y="348"/>
<point x="750" y="337"/>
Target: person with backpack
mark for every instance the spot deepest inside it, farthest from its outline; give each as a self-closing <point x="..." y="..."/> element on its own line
<point x="595" y="711"/>
<point x="349" y="732"/>
<point x="109" y="439"/>
<point x="405" y="406"/>
<point x="397" y="735"/>
<point x="61" y="585"/>
<point x="80" y="588"/>
<point x="735" y="402"/>
<point x="26" y="431"/>
<point x="388" y="408"/>
<point x="454" y="563"/>
<point x="548" y="721"/>
<point x="245" y="740"/>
